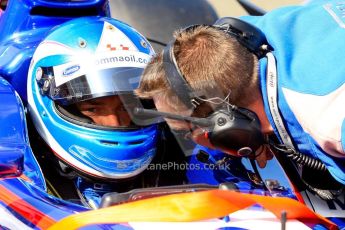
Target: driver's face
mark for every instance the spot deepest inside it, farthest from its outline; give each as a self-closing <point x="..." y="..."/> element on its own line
<point x="106" y="111"/>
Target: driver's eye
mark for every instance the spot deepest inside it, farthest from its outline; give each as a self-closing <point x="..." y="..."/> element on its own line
<point x="88" y="110"/>
<point x="91" y="110"/>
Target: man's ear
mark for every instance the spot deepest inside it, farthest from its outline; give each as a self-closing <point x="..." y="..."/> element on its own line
<point x="258" y="108"/>
<point x="263" y="154"/>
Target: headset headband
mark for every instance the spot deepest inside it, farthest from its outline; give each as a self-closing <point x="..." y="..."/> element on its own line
<point x="246" y="34"/>
<point x="175" y="78"/>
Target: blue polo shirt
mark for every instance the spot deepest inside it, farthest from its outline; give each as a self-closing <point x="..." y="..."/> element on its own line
<point x="309" y="47"/>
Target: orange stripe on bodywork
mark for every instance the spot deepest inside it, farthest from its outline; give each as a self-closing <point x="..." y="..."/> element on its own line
<point x="26" y="178"/>
<point x="196" y="206"/>
<point x="25" y="209"/>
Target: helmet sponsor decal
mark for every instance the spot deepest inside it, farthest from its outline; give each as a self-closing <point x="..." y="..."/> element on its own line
<point x="105" y="60"/>
<point x="123" y="59"/>
<point x="114" y="40"/>
<point x="113" y="48"/>
<point x="70" y="70"/>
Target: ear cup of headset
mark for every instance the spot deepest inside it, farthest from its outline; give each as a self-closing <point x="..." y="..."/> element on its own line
<point x="236" y="131"/>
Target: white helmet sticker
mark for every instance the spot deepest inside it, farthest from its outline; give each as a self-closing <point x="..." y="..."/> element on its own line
<point x="66" y="72"/>
<point x="113" y="39"/>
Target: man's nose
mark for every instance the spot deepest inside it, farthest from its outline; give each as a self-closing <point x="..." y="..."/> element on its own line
<point x="111" y="120"/>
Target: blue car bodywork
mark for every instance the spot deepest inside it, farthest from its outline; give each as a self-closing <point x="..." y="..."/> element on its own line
<point x="24" y="23"/>
<point x="23" y="191"/>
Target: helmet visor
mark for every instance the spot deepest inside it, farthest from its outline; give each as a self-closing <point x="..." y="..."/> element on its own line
<point x="94" y="84"/>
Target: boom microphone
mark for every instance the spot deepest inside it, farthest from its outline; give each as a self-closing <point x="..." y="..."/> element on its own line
<point x="237" y="132"/>
<point x="204" y="122"/>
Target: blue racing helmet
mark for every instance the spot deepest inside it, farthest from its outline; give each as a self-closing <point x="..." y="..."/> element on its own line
<point x="83" y="59"/>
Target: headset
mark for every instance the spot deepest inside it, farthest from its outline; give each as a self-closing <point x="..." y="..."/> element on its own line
<point x="235" y="129"/>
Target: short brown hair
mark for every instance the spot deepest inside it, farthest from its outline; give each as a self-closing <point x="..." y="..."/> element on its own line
<point x="212" y="62"/>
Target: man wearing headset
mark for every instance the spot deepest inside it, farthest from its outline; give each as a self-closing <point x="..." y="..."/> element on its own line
<point x="292" y="83"/>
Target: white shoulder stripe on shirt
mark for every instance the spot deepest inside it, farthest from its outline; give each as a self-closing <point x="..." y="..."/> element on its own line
<point x="321" y="117"/>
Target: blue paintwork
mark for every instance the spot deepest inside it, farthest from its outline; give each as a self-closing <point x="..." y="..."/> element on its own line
<point x="17" y="160"/>
<point x="22" y="31"/>
<point x="15" y="151"/>
<point x="20" y="173"/>
<point x="20" y="34"/>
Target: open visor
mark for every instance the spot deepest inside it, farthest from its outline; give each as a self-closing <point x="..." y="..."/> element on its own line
<point x="73" y="88"/>
<point x="100" y="83"/>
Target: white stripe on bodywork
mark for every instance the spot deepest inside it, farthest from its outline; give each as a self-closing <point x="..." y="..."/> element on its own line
<point x="328" y="8"/>
<point x="11" y="222"/>
<point x="321" y="117"/>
